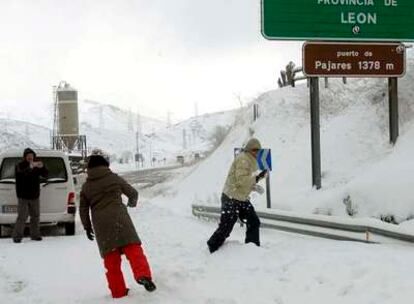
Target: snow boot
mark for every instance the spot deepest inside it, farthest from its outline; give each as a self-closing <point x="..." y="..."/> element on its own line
<point x="211" y="248"/>
<point x="17" y="240"/>
<point x="147" y="283"/>
<point x="37" y="238"/>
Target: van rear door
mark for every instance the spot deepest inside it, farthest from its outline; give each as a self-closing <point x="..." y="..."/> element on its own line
<point x="8" y="199"/>
<point x="55" y="189"/>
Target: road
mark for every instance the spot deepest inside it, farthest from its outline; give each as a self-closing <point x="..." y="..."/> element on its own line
<point x="150" y="177"/>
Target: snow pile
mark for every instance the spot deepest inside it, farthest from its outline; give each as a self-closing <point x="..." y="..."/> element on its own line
<point x="357" y="160"/>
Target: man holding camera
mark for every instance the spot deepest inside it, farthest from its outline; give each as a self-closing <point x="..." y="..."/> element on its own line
<point x="240" y="182"/>
<point x="28" y="173"/>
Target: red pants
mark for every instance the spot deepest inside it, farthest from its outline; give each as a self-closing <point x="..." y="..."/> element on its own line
<point x="139" y="266"/>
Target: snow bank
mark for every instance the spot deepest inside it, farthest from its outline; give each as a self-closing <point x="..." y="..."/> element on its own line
<point x="357" y="159"/>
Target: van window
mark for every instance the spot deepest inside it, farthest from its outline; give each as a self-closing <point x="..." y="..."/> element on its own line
<point x="55" y="166"/>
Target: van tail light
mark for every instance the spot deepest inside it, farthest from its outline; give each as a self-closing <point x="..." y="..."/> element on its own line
<point x="71" y="203"/>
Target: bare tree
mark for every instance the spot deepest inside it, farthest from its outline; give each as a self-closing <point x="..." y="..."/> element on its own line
<point x="218" y="135"/>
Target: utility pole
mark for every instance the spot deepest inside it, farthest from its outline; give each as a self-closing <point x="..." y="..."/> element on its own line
<point x="130" y="123"/>
<point x="137" y="135"/>
<point x="137" y="157"/>
<point x="150" y="154"/>
<point x="255" y="112"/>
<point x="184" y="139"/>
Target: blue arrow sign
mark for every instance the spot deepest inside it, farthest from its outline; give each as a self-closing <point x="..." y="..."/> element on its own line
<point x="264" y="159"/>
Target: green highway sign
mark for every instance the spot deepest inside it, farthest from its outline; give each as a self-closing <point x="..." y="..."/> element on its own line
<point x="347" y="20"/>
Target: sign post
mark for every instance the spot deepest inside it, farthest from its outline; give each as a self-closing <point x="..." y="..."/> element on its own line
<point x="264" y="162"/>
<point x="393" y="109"/>
<point x="315" y="133"/>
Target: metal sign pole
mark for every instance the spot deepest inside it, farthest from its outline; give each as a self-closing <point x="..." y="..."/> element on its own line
<point x="268" y="198"/>
<point x="315" y="133"/>
<point x="393" y="109"/>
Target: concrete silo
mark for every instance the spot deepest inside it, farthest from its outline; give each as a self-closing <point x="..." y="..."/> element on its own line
<point x="67" y="103"/>
<point x="66" y="135"/>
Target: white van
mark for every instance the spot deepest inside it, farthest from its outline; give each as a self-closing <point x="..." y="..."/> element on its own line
<point x="57" y="194"/>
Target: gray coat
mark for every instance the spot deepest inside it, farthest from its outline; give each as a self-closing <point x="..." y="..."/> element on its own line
<point x="101" y="195"/>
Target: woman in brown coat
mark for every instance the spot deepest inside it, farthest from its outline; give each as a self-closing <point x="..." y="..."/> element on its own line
<point x="115" y="233"/>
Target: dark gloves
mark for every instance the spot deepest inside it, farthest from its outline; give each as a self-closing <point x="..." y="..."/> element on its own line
<point x="90" y="234"/>
<point x="132" y="204"/>
<point x="261" y="175"/>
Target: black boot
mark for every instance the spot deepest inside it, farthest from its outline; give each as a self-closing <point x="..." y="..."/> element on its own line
<point x="211" y="247"/>
<point x="37" y="238"/>
<point x="17" y="240"/>
<point x="147" y="283"/>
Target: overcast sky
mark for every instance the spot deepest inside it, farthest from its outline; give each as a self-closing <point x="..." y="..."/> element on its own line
<point x="151" y="55"/>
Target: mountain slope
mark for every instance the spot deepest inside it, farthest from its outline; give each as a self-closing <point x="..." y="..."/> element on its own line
<point x="357" y="159"/>
<point x="114" y="130"/>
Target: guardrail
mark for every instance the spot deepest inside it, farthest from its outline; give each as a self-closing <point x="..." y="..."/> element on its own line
<point x="330" y="227"/>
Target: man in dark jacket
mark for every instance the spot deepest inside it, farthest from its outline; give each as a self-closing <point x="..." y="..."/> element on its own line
<point x="112" y="225"/>
<point x="28" y="173"/>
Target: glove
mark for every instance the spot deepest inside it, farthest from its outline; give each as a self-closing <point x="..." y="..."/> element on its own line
<point x="261" y="175"/>
<point x="131" y="204"/>
<point x="90" y="234"/>
<point x="259" y="189"/>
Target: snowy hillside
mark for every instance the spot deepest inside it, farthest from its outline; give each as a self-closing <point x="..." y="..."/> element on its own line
<point x="104" y="116"/>
<point x="16" y="134"/>
<point x="357" y="159"/>
<point x="114" y="130"/>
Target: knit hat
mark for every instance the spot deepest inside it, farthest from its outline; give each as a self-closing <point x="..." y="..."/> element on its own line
<point x="253" y="144"/>
<point x="96" y="160"/>
<point x="28" y="151"/>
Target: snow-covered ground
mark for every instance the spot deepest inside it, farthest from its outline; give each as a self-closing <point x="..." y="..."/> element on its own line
<point x="286" y="269"/>
<point x="357" y="161"/>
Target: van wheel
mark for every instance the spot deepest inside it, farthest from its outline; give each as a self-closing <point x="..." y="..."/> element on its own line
<point x="70" y="228"/>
